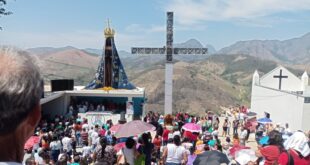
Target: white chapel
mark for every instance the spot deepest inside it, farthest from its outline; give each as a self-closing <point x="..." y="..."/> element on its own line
<point x="283" y="96"/>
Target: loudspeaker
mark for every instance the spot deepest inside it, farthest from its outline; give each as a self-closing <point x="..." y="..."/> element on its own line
<point x="62" y="85"/>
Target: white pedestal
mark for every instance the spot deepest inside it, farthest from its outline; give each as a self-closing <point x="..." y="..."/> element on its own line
<point x="168" y="88"/>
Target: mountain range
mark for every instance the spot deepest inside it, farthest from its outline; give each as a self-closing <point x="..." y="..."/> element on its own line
<point x="292" y="51"/>
<point x="201" y="83"/>
<point x="296" y="50"/>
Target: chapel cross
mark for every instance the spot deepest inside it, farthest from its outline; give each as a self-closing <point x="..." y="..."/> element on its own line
<point x="169" y="51"/>
<point x="280" y="78"/>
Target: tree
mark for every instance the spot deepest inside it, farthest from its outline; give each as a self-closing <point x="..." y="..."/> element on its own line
<point x="3" y="11"/>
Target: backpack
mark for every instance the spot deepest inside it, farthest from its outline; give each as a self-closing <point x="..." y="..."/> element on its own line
<point x="290" y="158"/>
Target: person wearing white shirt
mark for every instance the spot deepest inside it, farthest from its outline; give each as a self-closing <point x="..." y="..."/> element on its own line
<point x="85" y="108"/>
<point x="98" y="108"/>
<point x="215" y="132"/>
<point x="187" y="145"/>
<point x="38" y="158"/>
<point x="66" y="142"/>
<point x="243" y="136"/>
<point x="94" y="139"/>
<point x="86" y="150"/>
<point x="228" y="127"/>
<point x="81" y="109"/>
<point x="287" y="130"/>
<point x="128" y="152"/>
<point x="174" y="153"/>
<point x="90" y="131"/>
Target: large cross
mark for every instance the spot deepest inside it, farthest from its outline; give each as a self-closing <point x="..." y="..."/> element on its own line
<point x="280" y="77"/>
<point x="169" y="51"/>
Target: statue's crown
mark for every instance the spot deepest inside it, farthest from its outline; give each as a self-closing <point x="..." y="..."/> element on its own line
<point x="108" y="31"/>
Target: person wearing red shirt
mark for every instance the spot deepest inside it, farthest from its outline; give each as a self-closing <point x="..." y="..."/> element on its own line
<point x="157" y="141"/>
<point x="298" y="150"/>
<point x="102" y="132"/>
<point x="191" y="136"/>
<point x="295" y="157"/>
<point x="157" y="144"/>
<point x="165" y="135"/>
<point x="272" y="151"/>
<point x="84" y="135"/>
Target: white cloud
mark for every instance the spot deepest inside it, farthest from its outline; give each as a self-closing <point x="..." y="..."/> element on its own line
<point x="190" y="12"/>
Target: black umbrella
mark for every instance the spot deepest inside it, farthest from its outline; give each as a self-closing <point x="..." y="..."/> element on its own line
<point x="251" y="114"/>
<point x="211" y="158"/>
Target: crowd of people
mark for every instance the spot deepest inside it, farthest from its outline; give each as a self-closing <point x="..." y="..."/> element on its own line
<point x="73" y="141"/>
<point x="89" y="106"/>
<point x="26" y="138"/>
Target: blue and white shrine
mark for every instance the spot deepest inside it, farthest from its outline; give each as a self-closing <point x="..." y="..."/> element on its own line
<point x="110" y="88"/>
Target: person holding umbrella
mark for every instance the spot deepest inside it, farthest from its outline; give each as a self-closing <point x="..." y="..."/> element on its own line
<point x="128" y="153"/>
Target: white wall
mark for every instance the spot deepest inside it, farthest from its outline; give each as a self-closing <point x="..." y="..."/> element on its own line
<point x="306" y="117"/>
<point x="283" y="107"/>
<point x="292" y="83"/>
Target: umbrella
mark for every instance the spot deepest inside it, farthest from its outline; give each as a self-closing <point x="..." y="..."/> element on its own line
<point x="119" y="146"/>
<point x="133" y="128"/>
<point x="264" y="120"/>
<point x="250" y="113"/>
<point x="235" y="149"/>
<point x="244" y="156"/>
<point x="192" y="127"/>
<point x="31" y="142"/>
<point x="211" y="158"/>
<point x="115" y="128"/>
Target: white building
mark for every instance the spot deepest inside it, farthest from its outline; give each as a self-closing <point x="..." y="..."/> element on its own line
<point x="57" y="103"/>
<point x="284" y="96"/>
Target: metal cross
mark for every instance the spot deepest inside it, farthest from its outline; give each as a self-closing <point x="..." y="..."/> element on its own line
<point x="280" y="77"/>
<point x="108" y="23"/>
<point x="169" y="51"/>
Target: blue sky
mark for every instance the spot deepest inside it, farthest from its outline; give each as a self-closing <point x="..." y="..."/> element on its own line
<point x="80" y="23"/>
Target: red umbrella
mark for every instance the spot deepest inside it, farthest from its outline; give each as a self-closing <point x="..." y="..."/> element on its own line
<point x="134" y="128"/>
<point x="115" y="128"/>
<point x="236" y="148"/>
<point x="119" y="146"/>
<point x="31" y="142"/>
